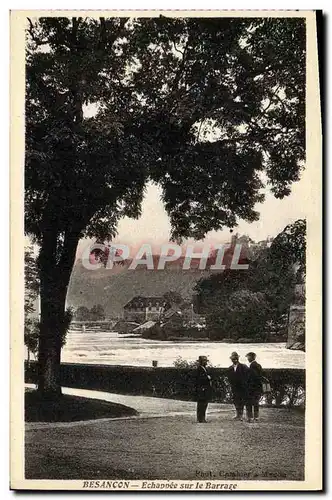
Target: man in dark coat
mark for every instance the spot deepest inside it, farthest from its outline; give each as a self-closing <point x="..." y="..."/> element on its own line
<point x="255" y="390"/>
<point x="203" y="389"/>
<point x="237" y="375"/>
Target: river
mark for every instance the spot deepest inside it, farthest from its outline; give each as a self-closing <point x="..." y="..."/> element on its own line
<point x="111" y="348"/>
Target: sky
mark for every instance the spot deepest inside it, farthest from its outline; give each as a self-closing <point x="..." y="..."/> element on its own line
<point x="153" y="227"/>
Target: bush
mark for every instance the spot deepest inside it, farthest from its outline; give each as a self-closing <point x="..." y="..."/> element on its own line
<point x="288" y="385"/>
<point x="183" y="363"/>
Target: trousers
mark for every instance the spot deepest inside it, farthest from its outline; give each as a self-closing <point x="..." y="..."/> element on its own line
<point x="239" y="403"/>
<point x="201" y="410"/>
<point x="252" y="405"/>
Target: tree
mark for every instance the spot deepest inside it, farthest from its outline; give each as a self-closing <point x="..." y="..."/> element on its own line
<point x="279" y="269"/>
<point x="215" y="290"/>
<point x="196" y="105"/>
<point x="31" y="335"/>
<point x="82" y="314"/>
<point x="97" y="313"/>
<point x="173" y="297"/>
<point x="243" y="314"/>
<point x="255" y="301"/>
<point x="31" y="291"/>
<point x="31" y="281"/>
<point x="290" y="247"/>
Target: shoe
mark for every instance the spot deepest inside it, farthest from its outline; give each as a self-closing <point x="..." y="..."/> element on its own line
<point x="256" y="420"/>
<point x="237" y="418"/>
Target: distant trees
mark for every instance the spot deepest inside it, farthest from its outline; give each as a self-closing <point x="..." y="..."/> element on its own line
<point x="31" y="336"/>
<point x="240" y="316"/>
<point x="82" y="313"/>
<point x="173" y="297"/>
<point x="31" y="281"/>
<point x="254" y="303"/>
<point x="96" y="313"/>
<point x="31" y="291"/>
<point x="31" y="296"/>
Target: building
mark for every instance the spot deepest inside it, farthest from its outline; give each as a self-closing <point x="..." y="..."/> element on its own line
<point x="172" y="318"/>
<point x="185" y="317"/>
<point x="141" y="309"/>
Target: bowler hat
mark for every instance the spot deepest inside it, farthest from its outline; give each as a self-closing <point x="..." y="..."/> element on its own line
<point x="251" y="354"/>
<point x="234" y="355"/>
<point x="202" y="358"/>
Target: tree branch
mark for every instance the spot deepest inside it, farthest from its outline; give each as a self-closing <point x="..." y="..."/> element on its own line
<point x="33" y="35"/>
<point x="178" y="50"/>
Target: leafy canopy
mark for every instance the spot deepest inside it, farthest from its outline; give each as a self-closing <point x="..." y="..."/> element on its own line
<point x="210" y="109"/>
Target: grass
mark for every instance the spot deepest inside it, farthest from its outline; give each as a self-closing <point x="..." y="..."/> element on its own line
<point x="172" y="447"/>
<point x="71" y="408"/>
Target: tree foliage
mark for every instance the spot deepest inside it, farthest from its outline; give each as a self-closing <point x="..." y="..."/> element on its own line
<point x="203" y="107"/>
<point x="31" y="292"/>
<point x="31" y="281"/>
<point x="254" y="303"/>
<point x="82" y="313"/>
<point x="290" y="246"/>
<point x="196" y="105"/>
<point x="96" y="313"/>
<point x="173" y="297"/>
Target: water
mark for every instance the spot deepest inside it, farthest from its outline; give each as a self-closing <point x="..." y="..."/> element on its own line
<point x="111" y="348"/>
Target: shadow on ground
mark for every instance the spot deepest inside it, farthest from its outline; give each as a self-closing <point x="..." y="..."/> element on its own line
<point x="70" y="408"/>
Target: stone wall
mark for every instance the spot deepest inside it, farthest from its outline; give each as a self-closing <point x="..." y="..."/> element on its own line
<point x="296" y="320"/>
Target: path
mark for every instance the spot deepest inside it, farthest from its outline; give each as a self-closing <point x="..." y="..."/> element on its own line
<point x="166" y="442"/>
<point x="148" y="407"/>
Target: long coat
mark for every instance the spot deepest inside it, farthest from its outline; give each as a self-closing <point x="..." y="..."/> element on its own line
<point x="255" y="379"/>
<point x="203" y="384"/>
<point x="238" y="380"/>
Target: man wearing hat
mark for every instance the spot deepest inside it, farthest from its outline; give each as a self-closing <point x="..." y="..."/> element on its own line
<point x="237" y="375"/>
<point x="203" y="389"/>
<point x="255" y="390"/>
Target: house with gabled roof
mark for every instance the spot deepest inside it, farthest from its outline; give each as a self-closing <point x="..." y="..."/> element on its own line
<point x="141" y="309"/>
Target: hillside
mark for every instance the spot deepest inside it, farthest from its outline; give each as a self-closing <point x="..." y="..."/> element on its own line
<point x="113" y="288"/>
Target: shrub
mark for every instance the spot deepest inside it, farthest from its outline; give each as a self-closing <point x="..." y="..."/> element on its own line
<point x="176" y="382"/>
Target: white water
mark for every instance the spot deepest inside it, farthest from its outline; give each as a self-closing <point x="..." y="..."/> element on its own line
<point x="111" y="348"/>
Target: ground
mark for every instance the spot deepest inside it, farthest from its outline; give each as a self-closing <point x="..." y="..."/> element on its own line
<point x="165" y="442"/>
<point x="71" y="408"/>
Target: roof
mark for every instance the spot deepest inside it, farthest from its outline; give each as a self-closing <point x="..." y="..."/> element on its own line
<point x="145" y="326"/>
<point x="140" y="301"/>
<point x="168" y="314"/>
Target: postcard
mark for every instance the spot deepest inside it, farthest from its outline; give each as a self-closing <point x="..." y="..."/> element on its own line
<point x="166" y="250"/>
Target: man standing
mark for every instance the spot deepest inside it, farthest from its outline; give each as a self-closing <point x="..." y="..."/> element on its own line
<point x="203" y="389"/>
<point x="237" y="375"/>
<point x="254" y="387"/>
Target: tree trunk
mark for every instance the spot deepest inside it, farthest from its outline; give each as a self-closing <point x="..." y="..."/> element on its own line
<point x="54" y="279"/>
<point x="49" y="351"/>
